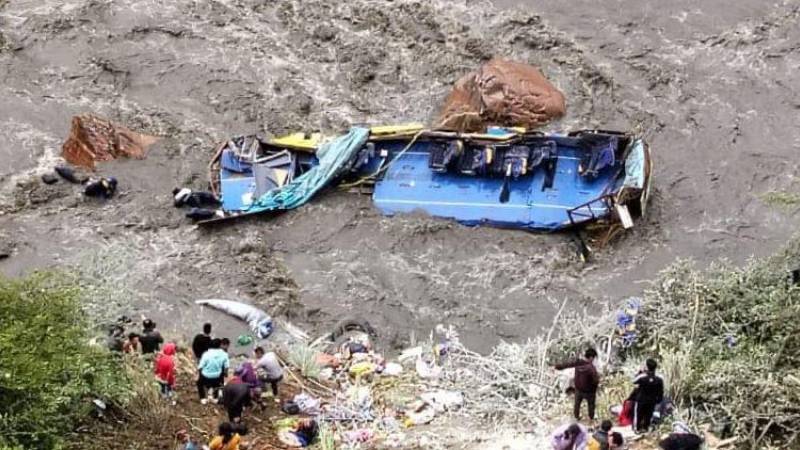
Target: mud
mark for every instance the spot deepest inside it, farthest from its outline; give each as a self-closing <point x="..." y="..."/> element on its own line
<point x="713" y="86"/>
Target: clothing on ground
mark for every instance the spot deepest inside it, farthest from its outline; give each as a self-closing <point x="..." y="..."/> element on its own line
<point x="306" y="432"/>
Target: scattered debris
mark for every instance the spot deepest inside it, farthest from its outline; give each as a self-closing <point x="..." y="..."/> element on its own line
<point x="101" y="187"/>
<point x="94" y="139"/>
<point x="49" y="178"/>
<point x="69" y="174"/>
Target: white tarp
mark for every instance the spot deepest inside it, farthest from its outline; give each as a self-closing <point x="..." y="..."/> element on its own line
<point x="259" y="321"/>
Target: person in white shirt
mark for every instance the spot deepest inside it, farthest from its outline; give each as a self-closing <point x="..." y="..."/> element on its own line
<point x="269" y="369"/>
<point x="194" y="199"/>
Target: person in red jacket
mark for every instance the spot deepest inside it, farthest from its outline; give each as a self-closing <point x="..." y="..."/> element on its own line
<point x="165" y="369"/>
<point x="586" y="381"/>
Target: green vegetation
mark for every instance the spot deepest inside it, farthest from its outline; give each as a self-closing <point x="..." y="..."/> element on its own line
<point x="304" y="358"/>
<point x="729" y="341"/>
<point x="49" y="370"/>
<point x="781" y="199"/>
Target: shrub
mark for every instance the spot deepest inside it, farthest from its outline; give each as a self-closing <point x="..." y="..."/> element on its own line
<point x="49" y="371"/>
<point x="304" y="358"/>
<point x="731" y="338"/>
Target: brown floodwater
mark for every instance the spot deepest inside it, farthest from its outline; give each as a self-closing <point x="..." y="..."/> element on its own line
<point x="712" y="85"/>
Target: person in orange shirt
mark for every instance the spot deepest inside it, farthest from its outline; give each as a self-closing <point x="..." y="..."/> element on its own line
<point x="132" y="344"/>
<point x="226" y="439"/>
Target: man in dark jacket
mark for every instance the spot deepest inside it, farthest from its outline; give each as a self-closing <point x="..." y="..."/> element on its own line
<point x="649" y="393"/>
<point x="235" y="397"/>
<point x="202" y="342"/>
<point x="150" y="339"/>
<point x="586" y="381"/>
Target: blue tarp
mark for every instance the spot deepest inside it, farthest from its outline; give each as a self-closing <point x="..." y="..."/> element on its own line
<point x="332" y="156"/>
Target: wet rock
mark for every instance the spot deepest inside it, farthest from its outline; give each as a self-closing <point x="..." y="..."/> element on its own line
<point x="325" y="32"/>
<point x="31" y="193"/>
<point x="49" y="178"/>
<point x="94" y="139"/>
<point x="7" y="246"/>
<point x="244" y="247"/>
<point x="502" y="91"/>
<point x="478" y="48"/>
<point x="303" y="104"/>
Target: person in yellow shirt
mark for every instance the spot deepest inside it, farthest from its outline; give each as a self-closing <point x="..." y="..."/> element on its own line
<point x="227" y="439"/>
<point x="615" y="441"/>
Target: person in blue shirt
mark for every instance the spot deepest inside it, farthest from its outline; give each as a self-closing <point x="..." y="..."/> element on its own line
<point x="213" y="366"/>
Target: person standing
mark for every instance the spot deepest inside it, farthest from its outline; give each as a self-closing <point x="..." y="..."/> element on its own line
<point x="269" y="369"/>
<point x="150" y="339"/>
<point x="649" y="393"/>
<point x="224" y="345"/>
<point x="202" y="342"/>
<point x="212" y="367"/>
<point x="165" y="369"/>
<point x="587" y="381"/>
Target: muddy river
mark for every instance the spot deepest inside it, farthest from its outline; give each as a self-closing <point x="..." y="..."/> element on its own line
<point x="713" y="85"/>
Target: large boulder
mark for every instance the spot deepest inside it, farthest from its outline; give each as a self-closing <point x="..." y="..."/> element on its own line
<point x="94" y="139"/>
<point x="504" y="93"/>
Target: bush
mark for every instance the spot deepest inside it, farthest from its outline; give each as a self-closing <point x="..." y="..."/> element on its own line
<point x="49" y="371"/>
<point x="736" y="335"/>
<point x="304" y="358"/>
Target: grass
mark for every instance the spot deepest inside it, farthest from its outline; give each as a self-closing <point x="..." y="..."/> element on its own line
<point x="781" y="199"/>
<point x="304" y="358"/>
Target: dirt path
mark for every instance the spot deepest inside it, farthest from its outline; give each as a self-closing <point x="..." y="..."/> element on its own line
<point x="713" y="86"/>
